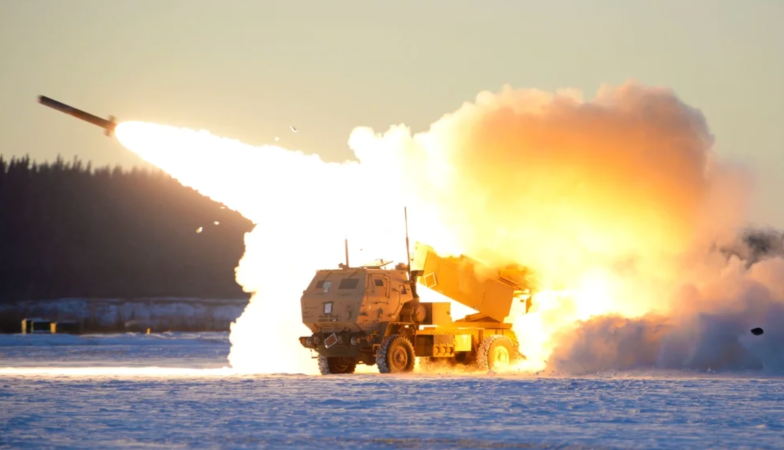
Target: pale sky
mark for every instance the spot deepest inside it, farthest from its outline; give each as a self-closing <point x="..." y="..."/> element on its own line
<point x="248" y="69"/>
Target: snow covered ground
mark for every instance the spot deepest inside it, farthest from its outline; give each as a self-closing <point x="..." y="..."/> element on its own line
<point x="194" y="350"/>
<point x="100" y="392"/>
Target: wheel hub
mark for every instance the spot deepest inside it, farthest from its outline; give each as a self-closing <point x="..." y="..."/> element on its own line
<point x="399" y="358"/>
<point x="500" y="357"/>
<point x="341" y="364"/>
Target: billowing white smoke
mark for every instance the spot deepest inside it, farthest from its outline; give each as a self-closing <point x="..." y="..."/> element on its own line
<point x="613" y="202"/>
<point x="710" y="329"/>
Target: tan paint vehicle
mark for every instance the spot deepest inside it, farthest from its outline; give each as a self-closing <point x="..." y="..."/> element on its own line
<point x="372" y="315"/>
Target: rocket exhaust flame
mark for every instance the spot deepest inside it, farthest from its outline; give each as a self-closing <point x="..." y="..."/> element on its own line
<point x="614" y="203"/>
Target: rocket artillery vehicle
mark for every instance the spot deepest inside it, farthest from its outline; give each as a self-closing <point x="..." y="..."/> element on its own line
<point x="372" y="315"/>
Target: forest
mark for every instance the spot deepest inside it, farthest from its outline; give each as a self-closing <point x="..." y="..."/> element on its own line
<point x="68" y="230"/>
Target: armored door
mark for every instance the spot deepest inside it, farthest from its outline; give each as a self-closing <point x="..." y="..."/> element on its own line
<point x="378" y="288"/>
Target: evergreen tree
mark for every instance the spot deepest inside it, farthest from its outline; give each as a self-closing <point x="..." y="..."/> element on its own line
<point x="68" y="230"/>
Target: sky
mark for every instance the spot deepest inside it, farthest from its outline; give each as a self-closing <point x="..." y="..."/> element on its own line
<point x="250" y="69"/>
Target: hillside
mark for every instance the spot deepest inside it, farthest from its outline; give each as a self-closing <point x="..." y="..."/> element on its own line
<point x="70" y="231"/>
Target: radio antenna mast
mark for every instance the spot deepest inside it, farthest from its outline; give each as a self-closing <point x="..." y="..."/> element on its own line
<point x="408" y="251"/>
<point x="346" y="242"/>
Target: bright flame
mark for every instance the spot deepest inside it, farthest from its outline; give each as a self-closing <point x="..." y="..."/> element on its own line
<point x="605" y="200"/>
<point x="303" y="208"/>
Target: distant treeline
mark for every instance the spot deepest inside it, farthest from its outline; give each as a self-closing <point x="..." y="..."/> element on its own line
<point x="68" y="230"/>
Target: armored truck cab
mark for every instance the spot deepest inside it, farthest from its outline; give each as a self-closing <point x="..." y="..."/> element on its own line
<point x="347" y="309"/>
<point x="354" y="300"/>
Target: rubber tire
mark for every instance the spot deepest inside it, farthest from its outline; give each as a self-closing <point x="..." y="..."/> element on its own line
<point x="334" y="365"/>
<point x="388" y="346"/>
<point x="486" y="348"/>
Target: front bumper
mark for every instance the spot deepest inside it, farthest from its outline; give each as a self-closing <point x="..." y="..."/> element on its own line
<point x="336" y="344"/>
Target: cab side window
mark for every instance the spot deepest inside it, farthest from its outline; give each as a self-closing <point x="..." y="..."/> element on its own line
<point x="348" y="283"/>
<point x="323" y="285"/>
<point x="379" y="285"/>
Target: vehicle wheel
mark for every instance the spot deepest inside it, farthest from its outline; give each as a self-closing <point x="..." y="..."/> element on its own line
<point x="396" y="355"/>
<point x="336" y="364"/>
<point x="496" y="353"/>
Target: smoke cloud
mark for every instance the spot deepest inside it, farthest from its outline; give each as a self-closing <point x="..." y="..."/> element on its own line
<point x="709" y="331"/>
<point x="618" y="204"/>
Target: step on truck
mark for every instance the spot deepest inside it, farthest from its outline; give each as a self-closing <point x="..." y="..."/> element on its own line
<point x="372" y="315"/>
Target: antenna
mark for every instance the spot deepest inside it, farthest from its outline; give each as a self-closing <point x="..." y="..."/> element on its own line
<point x="346" y="241"/>
<point x="408" y="251"/>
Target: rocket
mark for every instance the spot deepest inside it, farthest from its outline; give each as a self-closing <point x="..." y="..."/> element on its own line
<point x="107" y="125"/>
